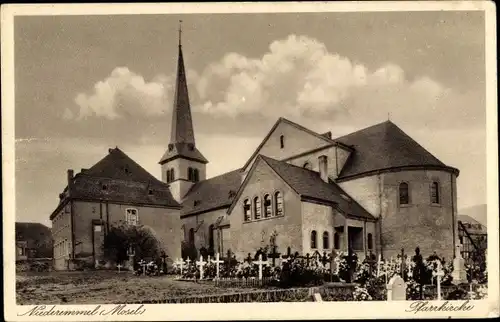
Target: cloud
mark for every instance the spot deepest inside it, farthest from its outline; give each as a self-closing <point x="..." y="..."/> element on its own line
<point x="124" y="93"/>
<point x="299" y="77"/>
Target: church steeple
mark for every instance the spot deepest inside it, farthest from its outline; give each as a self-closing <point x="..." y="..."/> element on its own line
<point x="182" y="164"/>
<point x="182" y="124"/>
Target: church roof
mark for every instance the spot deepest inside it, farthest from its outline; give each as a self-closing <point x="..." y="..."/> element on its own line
<point x="309" y="184"/>
<point x="385" y="146"/>
<point x="214" y="193"/>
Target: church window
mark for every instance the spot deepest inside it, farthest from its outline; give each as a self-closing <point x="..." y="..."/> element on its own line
<point x="435" y="193"/>
<point x="132" y="216"/>
<point x="307" y="166"/>
<point x="168" y="176"/>
<point x="278" y="203"/>
<point x="191" y="236"/>
<point x="267" y="206"/>
<point x="256" y="207"/>
<point x="370" y="241"/>
<point x="282" y="141"/>
<point x="336" y="241"/>
<point x="404" y="195"/>
<point x="172" y="175"/>
<point x="190" y="174"/>
<point x="326" y="240"/>
<point x="196" y="175"/>
<point x="313" y="239"/>
<point x="246" y="210"/>
<point x="211" y="237"/>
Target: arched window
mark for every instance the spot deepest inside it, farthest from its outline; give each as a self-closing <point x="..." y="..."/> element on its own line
<point x="326" y="240"/>
<point x="246" y="210"/>
<point x="267" y="206"/>
<point x="196" y="175"/>
<point x="336" y="241"/>
<point x="435" y="193"/>
<point x="370" y="241"/>
<point x="211" y="237"/>
<point x="404" y="195"/>
<point x="190" y="174"/>
<point x="168" y="176"/>
<point x="313" y="239"/>
<point x="307" y="166"/>
<point x="191" y="236"/>
<point x="172" y="174"/>
<point x="278" y="203"/>
<point x="256" y="207"/>
<point x="282" y="141"/>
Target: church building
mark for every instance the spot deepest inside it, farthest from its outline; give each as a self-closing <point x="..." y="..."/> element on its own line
<point x="375" y="190"/>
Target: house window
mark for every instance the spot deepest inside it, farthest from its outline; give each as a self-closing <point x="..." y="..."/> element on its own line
<point x="282" y="141"/>
<point x="326" y="240"/>
<point x="314" y="239"/>
<point x="256" y="207"/>
<point x="370" y="241"/>
<point x="307" y="166"/>
<point x="132" y="217"/>
<point x="435" y="193"/>
<point x="267" y="206"/>
<point x="246" y="210"/>
<point x="191" y="236"/>
<point x="278" y="203"/>
<point x="404" y="196"/>
<point x="336" y="241"/>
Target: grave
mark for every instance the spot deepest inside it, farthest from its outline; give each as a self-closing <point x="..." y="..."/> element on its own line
<point x="396" y="289"/>
<point x="438" y="274"/>
<point x="459" y="274"/>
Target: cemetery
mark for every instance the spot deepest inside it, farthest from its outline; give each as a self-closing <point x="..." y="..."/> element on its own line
<point x="262" y="277"/>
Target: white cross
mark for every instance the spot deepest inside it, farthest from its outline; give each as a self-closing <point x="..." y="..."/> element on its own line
<point x="119" y="266"/>
<point x="201" y="263"/>
<point x="208" y="259"/>
<point x="188" y="261"/>
<point x="144" y="267"/>
<point x="378" y="264"/>
<point x="180" y="263"/>
<point x="438" y="273"/>
<point x="260" y="262"/>
<point x="217" y="262"/>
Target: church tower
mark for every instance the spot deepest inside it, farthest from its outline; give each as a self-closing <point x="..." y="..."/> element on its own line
<point x="182" y="165"/>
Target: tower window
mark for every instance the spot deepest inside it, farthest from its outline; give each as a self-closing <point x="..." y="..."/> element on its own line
<point x="190" y="174"/>
<point x="336" y="241"/>
<point x="326" y="240"/>
<point x="196" y="175"/>
<point x="435" y="193"/>
<point x="404" y="194"/>
<point x="282" y="141"/>
<point x="172" y="174"/>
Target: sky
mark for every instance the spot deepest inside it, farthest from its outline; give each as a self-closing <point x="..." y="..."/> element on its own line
<point x="84" y="84"/>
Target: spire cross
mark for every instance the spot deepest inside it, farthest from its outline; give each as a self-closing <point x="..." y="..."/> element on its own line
<point x="180" y="32"/>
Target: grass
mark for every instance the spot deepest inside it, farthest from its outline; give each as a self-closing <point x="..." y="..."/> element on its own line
<point x="92" y="287"/>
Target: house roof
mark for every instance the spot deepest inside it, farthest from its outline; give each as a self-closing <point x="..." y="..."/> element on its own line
<point x="308" y="183"/>
<point x="385" y="146"/>
<point x="465" y="219"/>
<point x="213" y="193"/>
<point x="118" y="178"/>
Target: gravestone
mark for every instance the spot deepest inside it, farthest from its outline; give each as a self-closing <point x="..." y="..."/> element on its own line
<point x="317" y="297"/>
<point x="396" y="289"/>
<point x="274" y="255"/>
<point x="459" y="274"/>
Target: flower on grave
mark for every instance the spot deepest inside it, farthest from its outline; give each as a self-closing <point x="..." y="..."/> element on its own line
<point x="413" y="290"/>
<point x="210" y="270"/>
<point x="481" y="292"/>
<point x="361" y="294"/>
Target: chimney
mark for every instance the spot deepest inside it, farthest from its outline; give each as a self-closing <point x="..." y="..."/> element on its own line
<point x="70" y="177"/>
<point x="323" y="167"/>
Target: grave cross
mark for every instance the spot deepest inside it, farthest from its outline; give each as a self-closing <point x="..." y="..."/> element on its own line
<point x="408" y="264"/>
<point x="188" y="261"/>
<point x="217" y="261"/>
<point x="403" y="263"/>
<point x="274" y="255"/>
<point x="308" y="258"/>
<point x="180" y="262"/>
<point x="143" y="264"/>
<point x="249" y="258"/>
<point x="260" y="262"/>
<point x="119" y="267"/>
<point x="200" y="264"/>
<point x="438" y="274"/>
<point x="324" y="259"/>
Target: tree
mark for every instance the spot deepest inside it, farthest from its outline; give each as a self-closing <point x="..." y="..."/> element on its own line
<point x="122" y="236"/>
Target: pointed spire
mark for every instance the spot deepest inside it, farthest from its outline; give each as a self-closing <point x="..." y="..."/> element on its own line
<point x="182" y="124"/>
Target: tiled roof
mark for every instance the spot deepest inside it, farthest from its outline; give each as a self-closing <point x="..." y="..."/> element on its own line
<point x="216" y="192"/>
<point x="384" y="146"/>
<point x="118" y="178"/>
<point x="186" y="150"/>
<point x="465" y="219"/>
<point x="308" y="183"/>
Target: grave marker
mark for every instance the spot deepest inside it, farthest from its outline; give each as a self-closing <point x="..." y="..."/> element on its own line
<point x="438" y="274"/>
<point x="217" y="261"/>
<point x="119" y="266"/>
<point x="459" y="274"/>
<point x="396" y="289"/>
<point x="180" y="263"/>
<point x="274" y="255"/>
<point x="317" y="297"/>
<point x="260" y="262"/>
<point x="200" y="264"/>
